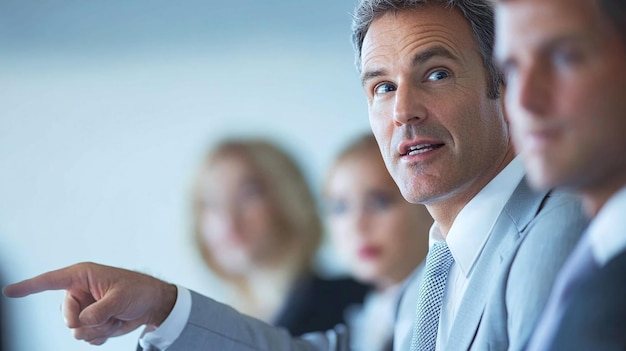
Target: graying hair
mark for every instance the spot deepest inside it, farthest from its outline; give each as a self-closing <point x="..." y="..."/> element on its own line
<point x="479" y="13"/>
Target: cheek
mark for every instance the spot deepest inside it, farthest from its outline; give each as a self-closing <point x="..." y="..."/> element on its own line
<point x="589" y="90"/>
<point x="402" y="239"/>
<point x="512" y="107"/>
<point x="380" y="123"/>
<point x="338" y="226"/>
<point x="576" y="97"/>
<point x="581" y="110"/>
<point x="390" y="227"/>
<point x="343" y="235"/>
<point x="377" y="130"/>
<point x="518" y="129"/>
<point x="403" y="228"/>
<point x="257" y="220"/>
<point x="212" y="228"/>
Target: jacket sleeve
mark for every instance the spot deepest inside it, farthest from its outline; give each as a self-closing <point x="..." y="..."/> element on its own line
<point x="215" y="326"/>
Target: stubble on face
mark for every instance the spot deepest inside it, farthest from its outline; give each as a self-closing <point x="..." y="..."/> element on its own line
<point x="426" y="86"/>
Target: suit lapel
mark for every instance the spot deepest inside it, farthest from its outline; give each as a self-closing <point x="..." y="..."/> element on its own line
<point x="503" y="241"/>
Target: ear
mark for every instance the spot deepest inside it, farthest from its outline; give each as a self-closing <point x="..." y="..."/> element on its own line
<point x="503" y="104"/>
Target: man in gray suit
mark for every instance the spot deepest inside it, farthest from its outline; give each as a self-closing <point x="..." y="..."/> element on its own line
<point x="436" y="111"/>
<point x="566" y="66"/>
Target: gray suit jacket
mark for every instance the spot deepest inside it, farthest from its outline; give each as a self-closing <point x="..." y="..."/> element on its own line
<point x="530" y="240"/>
<point x="529" y="243"/>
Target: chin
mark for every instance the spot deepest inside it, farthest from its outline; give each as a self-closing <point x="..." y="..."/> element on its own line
<point x="537" y="182"/>
<point x="411" y="192"/>
<point x="367" y="277"/>
<point x="541" y="176"/>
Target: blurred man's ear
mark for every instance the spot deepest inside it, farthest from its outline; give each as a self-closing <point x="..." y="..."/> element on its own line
<point x="503" y="105"/>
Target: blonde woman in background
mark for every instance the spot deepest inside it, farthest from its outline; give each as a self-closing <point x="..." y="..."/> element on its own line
<point x="383" y="238"/>
<point x="258" y="228"/>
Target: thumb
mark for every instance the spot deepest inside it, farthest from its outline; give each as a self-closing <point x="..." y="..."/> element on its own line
<point x="100" y="311"/>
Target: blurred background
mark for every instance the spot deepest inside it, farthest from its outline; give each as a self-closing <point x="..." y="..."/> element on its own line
<point x="106" y="108"/>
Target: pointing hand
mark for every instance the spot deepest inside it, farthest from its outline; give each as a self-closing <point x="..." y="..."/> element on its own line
<point x="101" y="301"/>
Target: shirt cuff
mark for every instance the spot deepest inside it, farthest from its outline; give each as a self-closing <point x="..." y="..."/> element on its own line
<point x="162" y="337"/>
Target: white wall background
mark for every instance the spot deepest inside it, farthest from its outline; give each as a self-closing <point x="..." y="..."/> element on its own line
<point x="106" y="107"/>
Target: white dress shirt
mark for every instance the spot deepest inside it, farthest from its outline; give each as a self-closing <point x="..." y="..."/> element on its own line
<point x="467" y="237"/>
<point x="607" y="231"/>
<point x="165" y="335"/>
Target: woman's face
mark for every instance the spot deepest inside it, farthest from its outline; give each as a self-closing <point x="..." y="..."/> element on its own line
<point x="373" y="227"/>
<point x="237" y="220"/>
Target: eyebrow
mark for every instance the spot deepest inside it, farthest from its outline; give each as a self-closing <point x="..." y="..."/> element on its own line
<point x="435" y="51"/>
<point x="544" y="47"/>
<point x="418" y="59"/>
<point x="567" y="39"/>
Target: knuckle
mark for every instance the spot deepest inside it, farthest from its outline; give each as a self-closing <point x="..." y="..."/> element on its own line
<point x="97" y="342"/>
<point x="101" y="332"/>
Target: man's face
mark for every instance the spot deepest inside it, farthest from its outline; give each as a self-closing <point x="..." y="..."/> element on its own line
<point x="566" y="91"/>
<point x="441" y="137"/>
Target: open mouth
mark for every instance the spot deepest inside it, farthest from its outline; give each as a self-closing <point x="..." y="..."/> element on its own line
<point x="421" y="148"/>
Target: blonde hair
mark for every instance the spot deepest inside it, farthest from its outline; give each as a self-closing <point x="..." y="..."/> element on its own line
<point x="292" y="202"/>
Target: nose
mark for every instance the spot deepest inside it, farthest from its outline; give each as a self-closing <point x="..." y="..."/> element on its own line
<point x="532" y="88"/>
<point x="408" y="105"/>
<point x="361" y="222"/>
<point x="229" y="216"/>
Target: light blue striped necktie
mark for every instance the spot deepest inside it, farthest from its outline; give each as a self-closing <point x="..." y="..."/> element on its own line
<point x="438" y="264"/>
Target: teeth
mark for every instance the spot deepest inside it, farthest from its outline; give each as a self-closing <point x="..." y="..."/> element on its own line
<point x="419" y="149"/>
<point x="420" y="146"/>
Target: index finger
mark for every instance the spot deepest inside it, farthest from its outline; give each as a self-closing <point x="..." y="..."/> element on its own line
<point x="55" y="280"/>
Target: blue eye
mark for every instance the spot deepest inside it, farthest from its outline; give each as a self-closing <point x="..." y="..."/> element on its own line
<point x="378" y="202"/>
<point x="438" y="75"/>
<point x="250" y="190"/>
<point x="383" y="88"/>
<point x="564" y="57"/>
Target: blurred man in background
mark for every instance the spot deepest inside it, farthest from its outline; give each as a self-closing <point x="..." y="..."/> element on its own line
<point x="565" y="63"/>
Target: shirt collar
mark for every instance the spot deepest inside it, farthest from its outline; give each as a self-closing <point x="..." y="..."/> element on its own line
<point x="607" y="231"/>
<point x="472" y="226"/>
